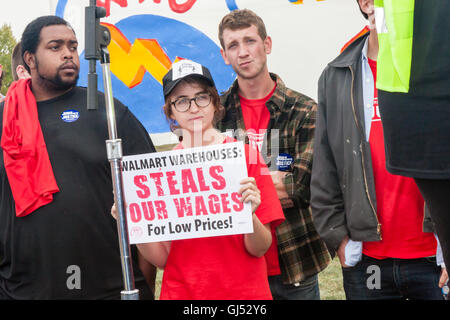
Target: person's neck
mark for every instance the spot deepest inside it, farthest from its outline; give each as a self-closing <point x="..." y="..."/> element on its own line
<point x="202" y="138"/>
<point x="44" y="93"/>
<point x="256" y="88"/>
<point x="372" y="45"/>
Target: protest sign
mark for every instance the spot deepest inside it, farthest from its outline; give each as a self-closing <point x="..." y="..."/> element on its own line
<point x="186" y="193"/>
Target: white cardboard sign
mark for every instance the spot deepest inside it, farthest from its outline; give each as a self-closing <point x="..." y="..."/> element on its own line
<point x="186" y="193"/>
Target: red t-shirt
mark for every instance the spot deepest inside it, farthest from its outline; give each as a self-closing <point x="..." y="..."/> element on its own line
<point x="400" y="206"/>
<point x="256" y="118"/>
<point x="220" y="268"/>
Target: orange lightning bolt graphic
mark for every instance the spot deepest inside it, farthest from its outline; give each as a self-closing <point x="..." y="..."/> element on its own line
<point x="130" y="62"/>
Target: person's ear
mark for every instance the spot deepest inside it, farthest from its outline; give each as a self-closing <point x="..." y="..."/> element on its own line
<point x="29" y="59"/>
<point x="21" y="72"/>
<point x="171" y="116"/>
<point x="224" y="56"/>
<point x="268" y="45"/>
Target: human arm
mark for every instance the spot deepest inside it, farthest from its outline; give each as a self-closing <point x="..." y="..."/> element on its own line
<point x="297" y="142"/>
<point x="443" y="278"/>
<point x="278" y="179"/>
<point x="349" y="252"/>
<point x="327" y="202"/>
<point x="259" y="241"/>
<point x="440" y="262"/>
<point x="154" y="252"/>
<point x="148" y="270"/>
<point x="340" y="252"/>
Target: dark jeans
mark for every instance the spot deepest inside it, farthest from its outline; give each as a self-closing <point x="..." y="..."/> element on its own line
<point x="437" y="197"/>
<point x="393" y="279"/>
<point x="306" y="290"/>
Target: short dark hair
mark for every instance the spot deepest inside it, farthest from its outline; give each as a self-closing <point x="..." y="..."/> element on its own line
<point x="363" y="13"/>
<point x="16" y="60"/>
<point x="32" y="33"/>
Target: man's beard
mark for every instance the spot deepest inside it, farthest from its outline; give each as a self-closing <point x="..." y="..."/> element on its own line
<point x="56" y="83"/>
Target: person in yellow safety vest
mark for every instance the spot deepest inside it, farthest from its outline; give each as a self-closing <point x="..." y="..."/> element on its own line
<point x="414" y="99"/>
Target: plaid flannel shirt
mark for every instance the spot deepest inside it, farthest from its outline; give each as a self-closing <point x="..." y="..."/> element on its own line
<point x="302" y="253"/>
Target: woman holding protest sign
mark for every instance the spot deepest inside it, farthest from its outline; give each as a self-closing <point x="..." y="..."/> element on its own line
<point x="220" y="267"/>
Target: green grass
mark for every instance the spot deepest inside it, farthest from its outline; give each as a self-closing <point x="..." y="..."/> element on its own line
<point x="330" y="282"/>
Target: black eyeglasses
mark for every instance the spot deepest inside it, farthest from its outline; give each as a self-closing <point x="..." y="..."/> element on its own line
<point x="184" y="104"/>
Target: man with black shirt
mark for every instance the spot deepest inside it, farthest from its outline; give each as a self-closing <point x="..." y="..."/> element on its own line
<point x="58" y="240"/>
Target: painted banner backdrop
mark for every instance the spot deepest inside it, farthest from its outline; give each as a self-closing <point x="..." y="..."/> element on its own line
<point x="149" y="35"/>
<point x="186" y="193"/>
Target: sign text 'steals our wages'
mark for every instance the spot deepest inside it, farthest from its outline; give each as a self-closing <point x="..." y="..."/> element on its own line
<point x="186" y="193"/>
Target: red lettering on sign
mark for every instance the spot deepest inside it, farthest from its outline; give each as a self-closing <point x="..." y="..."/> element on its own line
<point x="107" y="4"/>
<point x="174" y="6"/>
<point x="225" y="203"/>
<point x="156" y="176"/>
<point x="161" y="209"/>
<point x="145" y="192"/>
<point x="214" y="173"/>
<point x="184" y="207"/>
<point x="181" y="8"/>
<point x="187" y="181"/>
<point x="200" y="208"/>
<point x="149" y="212"/>
<point x="172" y="183"/>
<point x="135" y="212"/>
<point x="213" y="204"/>
<point x="148" y="208"/>
<point x="236" y="197"/>
<point x="201" y="180"/>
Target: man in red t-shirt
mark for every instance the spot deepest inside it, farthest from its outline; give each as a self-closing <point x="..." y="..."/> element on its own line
<point x="371" y="218"/>
<point x="279" y="122"/>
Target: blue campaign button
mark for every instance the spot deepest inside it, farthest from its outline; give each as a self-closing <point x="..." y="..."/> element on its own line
<point x="70" y="115"/>
<point x="284" y="161"/>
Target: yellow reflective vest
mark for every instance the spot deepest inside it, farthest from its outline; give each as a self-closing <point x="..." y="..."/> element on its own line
<point x="395" y="22"/>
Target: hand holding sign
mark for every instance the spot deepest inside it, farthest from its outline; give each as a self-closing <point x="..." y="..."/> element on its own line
<point x="189" y="193"/>
<point x="250" y="192"/>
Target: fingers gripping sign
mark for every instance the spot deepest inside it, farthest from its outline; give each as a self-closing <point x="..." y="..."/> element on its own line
<point x="250" y="193"/>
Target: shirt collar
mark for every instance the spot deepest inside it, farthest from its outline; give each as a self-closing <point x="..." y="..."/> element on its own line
<point x="364" y="49"/>
<point x="278" y="97"/>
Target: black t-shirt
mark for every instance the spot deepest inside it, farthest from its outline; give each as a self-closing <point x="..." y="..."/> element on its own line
<point x="69" y="249"/>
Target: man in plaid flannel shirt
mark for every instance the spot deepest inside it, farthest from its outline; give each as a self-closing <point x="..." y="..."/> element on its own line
<point x="279" y="122"/>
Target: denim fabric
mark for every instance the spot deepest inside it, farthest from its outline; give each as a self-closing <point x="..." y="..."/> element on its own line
<point x="396" y="279"/>
<point x="305" y="290"/>
<point x="436" y="194"/>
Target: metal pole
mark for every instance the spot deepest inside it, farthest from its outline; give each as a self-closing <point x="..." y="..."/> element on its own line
<point x="114" y="152"/>
<point x="97" y="38"/>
